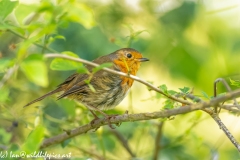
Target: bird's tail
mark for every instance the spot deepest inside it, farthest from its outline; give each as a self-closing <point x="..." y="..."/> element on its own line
<point x="44" y="96"/>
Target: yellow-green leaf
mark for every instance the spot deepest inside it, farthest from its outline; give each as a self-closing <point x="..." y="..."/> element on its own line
<point x="82" y="14"/>
<point x="104" y="65"/>
<point x="64" y="64"/>
<point x="34" y="140"/>
<point x="6" y="7"/>
<point x="35" y="70"/>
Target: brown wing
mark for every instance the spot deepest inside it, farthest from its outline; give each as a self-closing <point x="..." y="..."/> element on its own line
<point x="77" y="84"/>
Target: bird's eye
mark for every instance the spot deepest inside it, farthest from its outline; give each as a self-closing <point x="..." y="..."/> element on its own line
<point x="129" y="55"/>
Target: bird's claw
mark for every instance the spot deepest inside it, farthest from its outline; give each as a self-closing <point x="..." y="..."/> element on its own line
<point x="92" y="123"/>
<point x="108" y="119"/>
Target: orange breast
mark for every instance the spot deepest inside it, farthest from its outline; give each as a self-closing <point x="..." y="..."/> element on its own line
<point x="127" y="67"/>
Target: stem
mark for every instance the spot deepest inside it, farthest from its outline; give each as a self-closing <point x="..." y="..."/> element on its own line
<point x="37" y="44"/>
<point x="124" y="142"/>
<point x="158" y="141"/>
<point x="225" y="130"/>
<point x="214" y="115"/>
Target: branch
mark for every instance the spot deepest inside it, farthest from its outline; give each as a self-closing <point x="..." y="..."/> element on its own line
<point x="221" y="125"/>
<point x="138" y="117"/>
<point x="37" y="44"/>
<point x="230" y="108"/>
<point x="226" y="86"/>
<point x="124" y="142"/>
<point x="91" y="153"/>
<point x="225" y="130"/>
<point x="158" y="141"/>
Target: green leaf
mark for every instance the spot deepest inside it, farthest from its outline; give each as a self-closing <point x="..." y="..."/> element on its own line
<point x="82" y="69"/>
<point x="24" y="10"/>
<point x="13" y="147"/>
<point x="198" y="115"/>
<point x="205" y="95"/>
<point x="4" y="136"/>
<point x="4" y="94"/>
<point x="6" y="7"/>
<point x="60" y="37"/>
<point x="234" y="82"/>
<point x="4" y="63"/>
<point x="35" y="70"/>
<point x="53" y="38"/>
<point x="151" y="82"/>
<point x="87" y="81"/>
<point x="164" y="88"/>
<point x="104" y="65"/>
<point x="65" y="143"/>
<point x="185" y="90"/>
<point x="64" y="64"/>
<point x="172" y="92"/>
<point x="91" y="87"/>
<point x="34" y="140"/>
<point x="82" y="14"/>
<point x="138" y="33"/>
<point x="158" y="95"/>
<point x="169" y="104"/>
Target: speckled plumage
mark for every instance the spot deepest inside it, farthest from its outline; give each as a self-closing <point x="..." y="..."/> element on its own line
<point x="110" y="89"/>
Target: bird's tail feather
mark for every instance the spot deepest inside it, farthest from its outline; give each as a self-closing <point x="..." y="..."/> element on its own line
<point x="44" y="96"/>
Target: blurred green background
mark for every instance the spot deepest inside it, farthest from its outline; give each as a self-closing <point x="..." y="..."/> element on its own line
<point x="189" y="43"/>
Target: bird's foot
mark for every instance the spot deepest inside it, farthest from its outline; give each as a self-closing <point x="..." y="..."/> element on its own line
<point x="108" y="118"/>
<point x="93" y="121"/>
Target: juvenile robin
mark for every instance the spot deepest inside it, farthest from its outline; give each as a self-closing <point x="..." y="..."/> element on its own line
<point x="109" y="89"/>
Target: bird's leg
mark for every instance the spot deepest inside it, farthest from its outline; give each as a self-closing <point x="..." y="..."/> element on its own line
<point x="105" y="115"/>
<point x="95" y="116"/>
<point x="119" y="124"/>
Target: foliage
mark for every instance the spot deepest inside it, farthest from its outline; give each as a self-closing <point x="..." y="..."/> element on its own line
<point x="188" y="45"/>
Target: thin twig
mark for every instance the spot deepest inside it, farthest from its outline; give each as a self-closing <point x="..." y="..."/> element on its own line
<point x="37" y="44"/>
<point x="158" y="141"/>
<point x="225" y="130"/>
<point x="228" y="88"/>
<point x="124" y="142"/>
<point x="8" y="75"/>
<point x="138" y="117"/>
<point x="230" y="108"/>
<point x="221" y="125"/>
<point x="92" y="154"/>
<point x="118" y="73"/>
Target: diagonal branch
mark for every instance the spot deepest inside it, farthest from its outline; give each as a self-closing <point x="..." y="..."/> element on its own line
<point x="158" y="145"/>
<point x="53" y="55"/>
<point x="225" y="130"/>
<point x="221" y="125"/>
<point x="124" y="142"/>
<point x="138" y="117"/>
<point x="35" y="43"/>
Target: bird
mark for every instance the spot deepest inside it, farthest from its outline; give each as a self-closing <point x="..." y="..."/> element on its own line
<point x="107" y="89"/>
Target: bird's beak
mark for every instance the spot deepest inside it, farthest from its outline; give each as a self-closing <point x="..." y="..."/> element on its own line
<point x="142" y="59"/>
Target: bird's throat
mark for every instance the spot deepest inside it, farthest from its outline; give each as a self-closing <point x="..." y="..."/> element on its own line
<point x="127" y="68"/>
